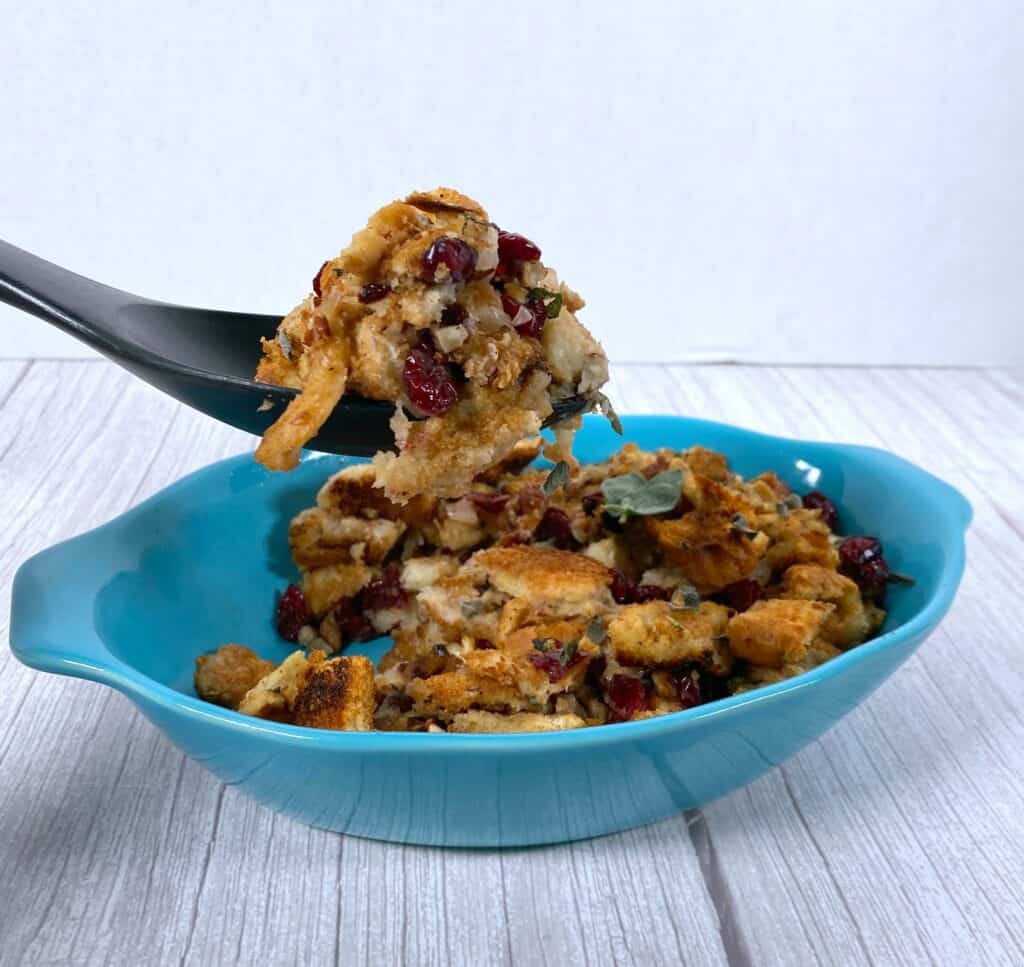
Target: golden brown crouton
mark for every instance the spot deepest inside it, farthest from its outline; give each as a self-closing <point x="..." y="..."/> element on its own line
<point x="319" y="538"/>
<point x="709" y="548"/>
<point x="326" y="586"/>
<point x="224" y="676"/>
<point x="450" y="692"/>
<point x="656" y="635"/>
<point x="754" y="676"/>
<point x="707" y="463"/>
<point x="800" y="538"/>
<point x="273" y="695"/>
<point x="539" y="573"/>
<point x="337" y="694"/>
<point x="775" y="632"/>
<point x="480" y="721"/>
<point x="850" y="623"/>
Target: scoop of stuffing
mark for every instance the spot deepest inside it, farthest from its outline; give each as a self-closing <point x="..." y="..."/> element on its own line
<point x="457" y="322"/>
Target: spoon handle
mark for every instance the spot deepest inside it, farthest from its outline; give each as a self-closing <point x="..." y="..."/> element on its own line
<point x="71" y="302"/>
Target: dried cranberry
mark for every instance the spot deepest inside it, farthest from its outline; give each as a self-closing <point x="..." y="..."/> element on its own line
<point x="650" y="592"/>
<point x="538" y="315"/>
<point x="554" y="526"/>
<point x="622" y="588"/>
<point x="513" y="247"/>
<point x="316" y="280"/>
<point x="352" y="623"/>
<point x="550" y="662"/>
<point x="491" y="503"/>
<point x="373" y="292"/>
<point x="385" y="590"/>
<point x="429" y="382"/>
<point x="688" y="688"/>
<point x="625" y="591"/>
<point x="625" y="696"/>
<point x="458" y="256"/>
<point x="292" y="612"/>
<point x="816" y="500"/>
<point x="591" y="502"/>
<point x="861" y="558"/>
<point x="454" y="314"/>
<point x="741" y="594"/>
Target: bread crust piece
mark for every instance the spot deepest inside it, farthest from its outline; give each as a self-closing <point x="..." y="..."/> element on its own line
<point x="273" y="695"/>
<point x="850" y="623"/>
<point x="777" y="632"/>
<point x="478" y="720"/>
<point x="657" y="636"/>
<point x="338" y="694"/>
<point x="310" y="690"/>
<point x="225" y="675"/>
<point x="708" y="548"/>
<point x="543" y="573"/>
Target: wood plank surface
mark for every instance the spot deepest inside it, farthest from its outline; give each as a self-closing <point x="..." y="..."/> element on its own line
<point x="894" y="839"/>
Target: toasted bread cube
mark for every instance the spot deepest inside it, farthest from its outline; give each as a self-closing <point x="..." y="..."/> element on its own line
<point x="481" y="721"/>
<point x="338" y="694"/>
<point x="224" y="676"/>
<point x="446" y="694"/>
<point x="324" y="587"/>
<point x="849" y="624"/>
<point x="543" y="573"/>
<point x="319" y="538"/>
<point x="655" y="635"/>
<point x="777" y="631"/>
<point x="709" y="550"/>
<point x="273" y="695"/>
<point x="800" y="538"/>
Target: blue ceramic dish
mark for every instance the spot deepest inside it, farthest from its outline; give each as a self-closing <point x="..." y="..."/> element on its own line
<point x="132" y="603"/>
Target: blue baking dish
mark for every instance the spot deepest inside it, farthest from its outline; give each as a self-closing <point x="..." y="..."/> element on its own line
<point x="132" y="603"/>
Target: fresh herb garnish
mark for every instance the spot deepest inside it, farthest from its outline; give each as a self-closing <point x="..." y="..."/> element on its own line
<point x="740" y="524"/>
<point x="552" y="308"/>
<point x="793" y="501"/>
<point x="558" y="477"/>
<point x="541" y="644"/>
<point x="470" y="609"/>
<point x="685" y="598"/>
<point x="569" y="649"/>
<point x="782" y="508"/>
<point x="895" y="577"/>
<point x="596" y="630"/>
<point x="608" y="411"/>
<point x="632" y="494"/>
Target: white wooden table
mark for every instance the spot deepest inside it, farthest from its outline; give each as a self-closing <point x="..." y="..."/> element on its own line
<point x="896" y="839"/>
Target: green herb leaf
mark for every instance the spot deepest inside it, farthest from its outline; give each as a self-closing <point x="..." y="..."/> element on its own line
<point x="685" y="598"/>
<point x="782" y="508"/>
<point x="541" y="644"/>
<point x="596" y="630"/>
<point x="569" y="649"/>
<point x="632" y="494"/>
<point x="553" y="307"/>
<point x="558" y="477"/>
<point x="740" y="524"/>
<point x="608" y="411"/>
<point x="793" y="501"/>
<point x="470" y="609"/>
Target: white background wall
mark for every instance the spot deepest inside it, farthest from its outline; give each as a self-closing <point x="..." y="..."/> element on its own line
<point x="806" y="181"/>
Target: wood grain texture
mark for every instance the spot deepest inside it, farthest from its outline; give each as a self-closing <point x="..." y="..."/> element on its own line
<point x="894" y="839"/>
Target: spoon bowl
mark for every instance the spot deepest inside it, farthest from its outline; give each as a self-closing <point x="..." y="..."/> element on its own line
<point x="203" y="357"/>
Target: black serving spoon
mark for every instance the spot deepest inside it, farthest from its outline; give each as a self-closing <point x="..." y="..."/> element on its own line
<point x="203" y="357"/>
